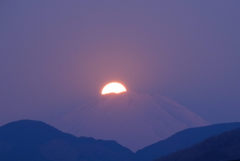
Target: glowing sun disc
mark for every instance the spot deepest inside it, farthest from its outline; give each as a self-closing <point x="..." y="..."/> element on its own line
<point x="113" y="88"/>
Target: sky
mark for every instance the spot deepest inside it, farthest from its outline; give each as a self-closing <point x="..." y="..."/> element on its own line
<point x="57" y="54"/>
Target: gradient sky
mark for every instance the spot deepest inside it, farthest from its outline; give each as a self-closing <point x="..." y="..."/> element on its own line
<point x="55" y="54"/>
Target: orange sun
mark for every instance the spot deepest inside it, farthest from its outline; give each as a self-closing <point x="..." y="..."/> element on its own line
<point x="113" y="88"/>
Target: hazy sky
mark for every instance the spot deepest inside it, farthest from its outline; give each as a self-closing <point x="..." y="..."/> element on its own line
<point x="55" y="54"/>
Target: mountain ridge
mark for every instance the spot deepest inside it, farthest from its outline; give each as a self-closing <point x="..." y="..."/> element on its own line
<point x="180" y="140"/>
<point x="35" y="140"/>
<point x="149" y="118"/>
<point x="30" y="140"/>
<point x="222" y="147"/>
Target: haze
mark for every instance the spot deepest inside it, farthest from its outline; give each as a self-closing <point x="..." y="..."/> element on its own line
<point x="56" y="55"/>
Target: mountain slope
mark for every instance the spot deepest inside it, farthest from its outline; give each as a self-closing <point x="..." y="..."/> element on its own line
<point x="182" y="139"/>
<point x="223" y="147"/>
<point x="36" y="141"/>
<point x="149" y="118"/>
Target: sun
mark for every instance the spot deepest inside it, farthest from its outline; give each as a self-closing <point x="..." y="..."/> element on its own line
<point x="113" y="88"/>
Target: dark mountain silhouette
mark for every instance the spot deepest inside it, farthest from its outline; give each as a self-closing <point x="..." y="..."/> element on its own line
<point x="181" y="140"/>
<point x="29" y="140"/>
<point x="223" y="147"/>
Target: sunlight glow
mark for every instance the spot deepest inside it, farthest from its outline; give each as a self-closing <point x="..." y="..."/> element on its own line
<point x="113" y="87"/>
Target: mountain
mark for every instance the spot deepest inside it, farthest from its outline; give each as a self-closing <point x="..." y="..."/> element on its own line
<point x="223" y="147"/>
<point x="28" y="140"/>
<point x="143" y="119"/>
<point x="182" y="139"/>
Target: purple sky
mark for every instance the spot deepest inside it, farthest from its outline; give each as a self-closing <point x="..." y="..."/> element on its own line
<point x="57" y="54"/>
